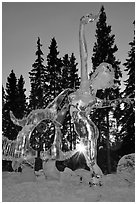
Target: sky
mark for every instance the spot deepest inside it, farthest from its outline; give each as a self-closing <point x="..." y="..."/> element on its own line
<point x="24" y="22"/>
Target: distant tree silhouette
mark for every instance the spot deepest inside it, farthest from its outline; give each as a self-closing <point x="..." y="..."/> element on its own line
<point x="9" y="129"/>
<point x="103" y="51"/>
<point x="53" y="79"/>
<point x="14" y="100"/>
<point x="21" y="99"/>
<point x="3" y="97"/>
<point x="37" y="77"/>
<point x="45" y="80"/>
<point x="3" y="110"/>
<point x="66" y="72"/>
<point x="74" y="78"/>
<point x="128" y="113"/>
<point x="71" y="80"/>
<point x="37" y="80"/>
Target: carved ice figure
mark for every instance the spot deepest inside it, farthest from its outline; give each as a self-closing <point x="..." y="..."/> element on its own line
<point x="84" y="99"/>
<point x="20" y="149"/>
<point x="80" y="103"/>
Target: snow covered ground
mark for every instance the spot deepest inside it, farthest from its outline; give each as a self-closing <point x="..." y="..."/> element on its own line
<point x="65" y="189"/>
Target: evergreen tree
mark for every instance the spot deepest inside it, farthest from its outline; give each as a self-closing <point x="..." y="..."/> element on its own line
<point x="5" y="164"/>
<point x="21" y="99"/>
<point x="45" y="83"/>
<point x="65" y="72"/>
<point x="70" y="79"/>
<point x="103" y="51"/>
<point x="128" y="118"/>
<point x="74" y="78"/>
<point x="3" y="97"/>
<point x="9" y="129"/>
<point x="53" y="67"/>
<point x="66" y="83"/>
<point x="38" y="86"/>
<point x="3" y="109"/>
<point x="37" y="77"/>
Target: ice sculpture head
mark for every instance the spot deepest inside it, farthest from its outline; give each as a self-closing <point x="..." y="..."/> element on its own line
<point x="89" y="18"/>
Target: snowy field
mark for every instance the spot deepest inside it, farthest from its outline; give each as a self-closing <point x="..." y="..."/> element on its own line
<point x="65" y="189"/>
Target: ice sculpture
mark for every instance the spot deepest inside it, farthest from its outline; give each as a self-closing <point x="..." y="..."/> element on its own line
<point x="80" y="103"/>
<point x="21" y="149"/>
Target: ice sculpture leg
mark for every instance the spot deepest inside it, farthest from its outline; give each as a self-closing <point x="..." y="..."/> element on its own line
<point x="88" y="135"/>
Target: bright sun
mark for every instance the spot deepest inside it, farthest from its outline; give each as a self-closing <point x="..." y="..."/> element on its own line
<point x="80" y="147"/>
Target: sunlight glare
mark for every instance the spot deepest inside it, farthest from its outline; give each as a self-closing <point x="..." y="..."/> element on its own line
<point x="80" y="147"/>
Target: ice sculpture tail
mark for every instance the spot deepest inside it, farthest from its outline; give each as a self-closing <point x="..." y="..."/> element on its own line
<point x="16" y="121"/>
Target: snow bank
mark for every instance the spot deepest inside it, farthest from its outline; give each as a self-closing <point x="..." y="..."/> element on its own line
<point x="126" y="168"/>
<point x="51" y="185"/>
<point x="66" y="189"/>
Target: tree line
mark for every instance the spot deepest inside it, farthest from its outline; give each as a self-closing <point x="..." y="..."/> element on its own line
<point x="116" y="125"/>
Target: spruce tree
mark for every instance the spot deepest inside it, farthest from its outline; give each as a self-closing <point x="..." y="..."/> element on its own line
<point x="74" y="78"/>
<point x="21" y="99"/>
<point x="37" y="77"/>
<point x="3" y="97"/>
<point x="45" y="84"/>
<point x="66" y="83"/>
<point x="128" y="117"/>
<point x="6" y="165"/>
<point x="38" y="86"/>
<point x="53" y="79"/>
<point x="74" y="84"/>
<point x="9" y="129"/>
<point x="65" y="72"/>
<point x="70" y="79"/>
<point x="3" y="109"/>
<point x="103" y="51"/>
